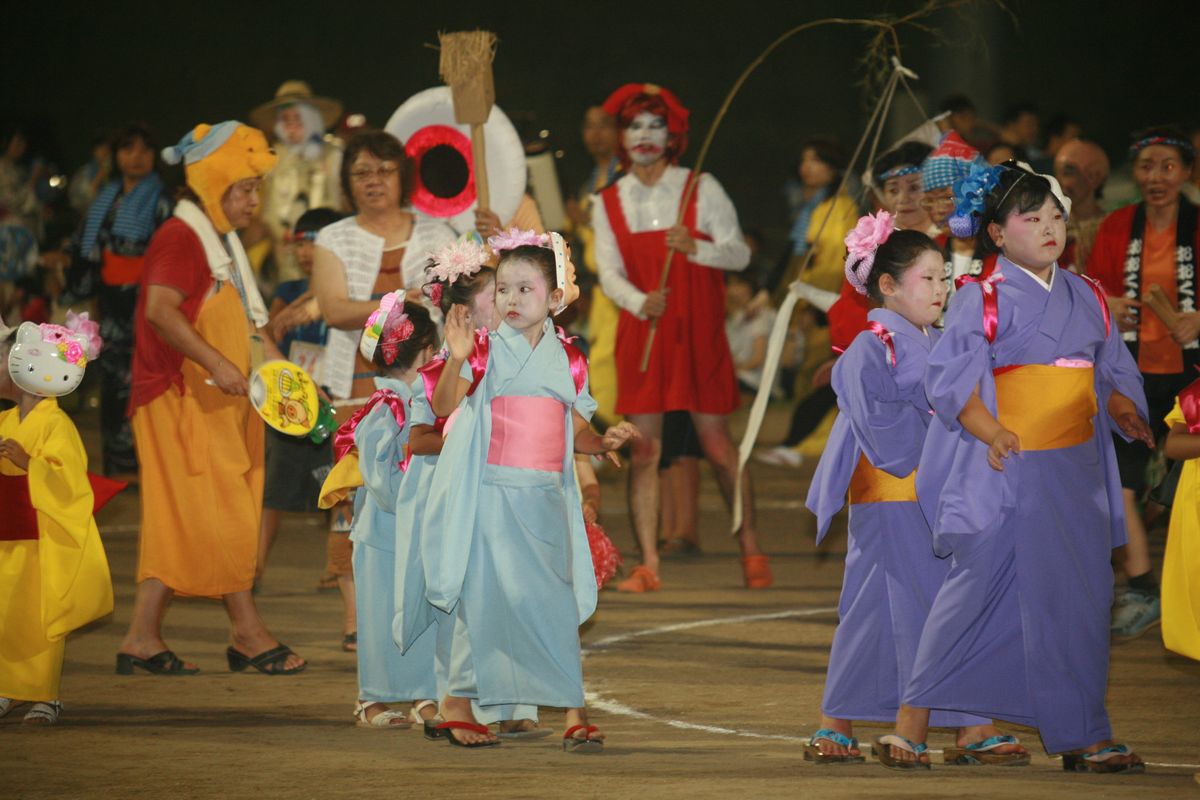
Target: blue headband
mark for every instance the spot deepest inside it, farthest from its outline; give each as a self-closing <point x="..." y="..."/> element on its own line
<point x="189" y="150"/>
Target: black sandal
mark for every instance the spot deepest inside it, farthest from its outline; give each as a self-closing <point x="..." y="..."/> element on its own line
<point x="268" y="663"/>
<point x="164" y="663"/>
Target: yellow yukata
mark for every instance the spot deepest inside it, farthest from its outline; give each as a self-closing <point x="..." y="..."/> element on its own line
<point x="56" y="583"/>
<point x="1181" y="563"/>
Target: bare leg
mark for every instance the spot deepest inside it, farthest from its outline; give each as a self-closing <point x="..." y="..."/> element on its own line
<point x="250" y="636"/>
<point x="643" y="486"/>
<point x="973" y="734"/>
<point x="266" y="538"/>
<point x="1137" y="550"/>
<point x="666" y="493"/>
<point x="144" y="637"/>
<point x="350" y="611"/>
<point x="717" y="443"/>
<point x="685" y="484"/>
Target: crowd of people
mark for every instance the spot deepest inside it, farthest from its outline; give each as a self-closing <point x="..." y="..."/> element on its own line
<point x="988" y="322"/>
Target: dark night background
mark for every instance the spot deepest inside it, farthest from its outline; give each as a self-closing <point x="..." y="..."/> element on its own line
<point x="1115" y="66"/>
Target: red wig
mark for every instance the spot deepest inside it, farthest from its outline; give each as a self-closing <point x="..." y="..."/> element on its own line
<point x="633" y="99"/>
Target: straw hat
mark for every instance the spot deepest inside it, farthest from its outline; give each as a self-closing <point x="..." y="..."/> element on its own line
<point x="290" y="92"/>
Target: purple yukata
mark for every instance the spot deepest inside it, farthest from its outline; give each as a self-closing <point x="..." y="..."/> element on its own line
<point x="1020" y="628"/>
<point x="892" y="574"/>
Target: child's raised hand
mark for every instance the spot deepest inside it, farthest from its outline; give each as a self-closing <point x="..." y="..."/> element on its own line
<point x="12" y="450"/>
<point x="1135" y="428"/>
<point x="460" y="337"/>
<point x="1005" y="444"/>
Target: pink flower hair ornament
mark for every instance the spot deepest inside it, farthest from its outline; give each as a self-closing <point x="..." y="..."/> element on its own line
<point x="515" y="237"/>
<point x="66" y="338"/>
<point x="871" y="231"/>
<point x="464" y="257"/>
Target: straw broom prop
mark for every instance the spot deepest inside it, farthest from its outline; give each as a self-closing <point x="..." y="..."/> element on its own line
<point x="466" y="67"/>
<point x="885" y="38"/>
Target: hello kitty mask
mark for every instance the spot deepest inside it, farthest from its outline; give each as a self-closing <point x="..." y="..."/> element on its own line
<point x="49" y="360"/>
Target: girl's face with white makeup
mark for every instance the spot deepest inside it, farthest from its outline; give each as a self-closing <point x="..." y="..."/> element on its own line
<point x="646" y="138"/>
<point x="920" y="293"/>
<point x="523" y="297"/>
<point x="483" y="307"/>
<point x="1033" y="239"/>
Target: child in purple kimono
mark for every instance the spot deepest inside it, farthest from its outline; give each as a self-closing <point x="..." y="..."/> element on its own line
<point x="1018" y="479"/>
<point x="892" y="574"/>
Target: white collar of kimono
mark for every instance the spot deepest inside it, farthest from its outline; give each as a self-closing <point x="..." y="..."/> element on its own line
<point x="1047" y="285"/>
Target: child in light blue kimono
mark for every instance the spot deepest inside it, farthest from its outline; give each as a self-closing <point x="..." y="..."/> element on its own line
<point x="399" y="339"/>
<point x="512" y="565"/>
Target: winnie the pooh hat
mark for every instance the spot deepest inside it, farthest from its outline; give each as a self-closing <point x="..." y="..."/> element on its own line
<point x="217" y="156"/>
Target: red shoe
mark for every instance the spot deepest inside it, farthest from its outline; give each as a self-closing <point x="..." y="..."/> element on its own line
<point x="639" y="581"/>
<point x="757" y="572"/>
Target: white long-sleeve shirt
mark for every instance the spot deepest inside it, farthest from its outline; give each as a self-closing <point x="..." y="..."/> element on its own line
<point x="656" y="208"/>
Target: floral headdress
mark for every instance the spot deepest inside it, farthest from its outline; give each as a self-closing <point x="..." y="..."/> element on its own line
<point x="386" y="328"/>
<point x="862" y="243"/>
<point x="463" y="257"/>
<point x="65" y="338"/>
<point x="515" y="237"/>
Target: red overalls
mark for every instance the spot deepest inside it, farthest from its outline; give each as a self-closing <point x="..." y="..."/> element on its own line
<point x="691" y="368"/>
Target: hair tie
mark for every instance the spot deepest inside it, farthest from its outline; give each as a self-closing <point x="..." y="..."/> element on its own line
<point x="862" y="243"/>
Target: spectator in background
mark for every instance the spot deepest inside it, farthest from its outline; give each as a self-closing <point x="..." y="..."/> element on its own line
<point x="1000" y="152"/>
<point x="1019" y="128"/>
<point x="88" y="179"/>
<point x="818" y="173"/>
<point x="1151" y="242"/>
<point x="1060" y="130"/>
<point x="963" y="117"/>
<point x="1191" y="189"/>
<point x="309" y="164"/>
<point x="19" y="211"/>
<point x="747" y="326"/>
<point x="600" y="137"/>
<point x="294" y="465"/>
<point x="106" y="263"/>
<point x="1082" y="169"/>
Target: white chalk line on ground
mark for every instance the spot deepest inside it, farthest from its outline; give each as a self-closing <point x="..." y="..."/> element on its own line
<point x="611" y="706"/>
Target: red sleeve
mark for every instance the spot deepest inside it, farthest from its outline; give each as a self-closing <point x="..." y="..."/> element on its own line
<point x="847" y="317"/>
<point x="1106" y="262"/>
<point x="175" y="258"/>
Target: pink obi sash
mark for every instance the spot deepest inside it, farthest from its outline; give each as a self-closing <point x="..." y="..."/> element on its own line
<point x="527" y="433"/>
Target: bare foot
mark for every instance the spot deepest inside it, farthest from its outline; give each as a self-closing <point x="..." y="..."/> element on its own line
<point x="1129" y="759"/>
<point x="428" y="712"/>
<point x="578" y="716"/>
<point x="913" y="724"/>
<point x="373" y="710"/>
<point x="458" y="709"/>
<point x="842" y="726"/>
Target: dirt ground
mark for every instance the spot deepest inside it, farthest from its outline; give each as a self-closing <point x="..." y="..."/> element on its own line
<point x="704" y="690"/>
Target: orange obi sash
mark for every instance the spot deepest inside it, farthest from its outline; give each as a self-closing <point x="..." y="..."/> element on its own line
<point x="118" y="270"/>
<point x="527" y="433"/>
<point x="871" y="485"/>
<point x="1047" y="407"/>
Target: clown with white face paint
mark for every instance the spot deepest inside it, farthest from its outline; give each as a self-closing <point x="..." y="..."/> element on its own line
<point x="54" y="576"/>
<point x="637" y="220"/>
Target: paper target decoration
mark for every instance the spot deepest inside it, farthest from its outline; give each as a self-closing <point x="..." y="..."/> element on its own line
<point x="440" y="149"/>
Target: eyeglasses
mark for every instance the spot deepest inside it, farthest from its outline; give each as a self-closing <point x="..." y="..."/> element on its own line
<point x="363" y="175"/>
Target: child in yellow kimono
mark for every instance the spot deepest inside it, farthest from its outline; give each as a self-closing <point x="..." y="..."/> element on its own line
<point x="53" y="572"/>
<point x="1181" y="563"/>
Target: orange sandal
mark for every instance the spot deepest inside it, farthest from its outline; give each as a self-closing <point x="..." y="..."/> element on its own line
<point x="639" y="581"/>
<point x="585" y="746"/>
<point x="757" y="572"/>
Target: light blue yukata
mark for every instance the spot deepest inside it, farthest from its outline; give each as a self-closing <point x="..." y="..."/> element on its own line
<point x="385" y="674"/>
<point x="510" y="563"/>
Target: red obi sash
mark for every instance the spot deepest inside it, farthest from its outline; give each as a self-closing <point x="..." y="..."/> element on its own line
<point x="527" y="433"/>
<point x="19" y="520"/>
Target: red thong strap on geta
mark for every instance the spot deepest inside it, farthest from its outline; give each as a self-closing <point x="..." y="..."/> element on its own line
<point x="885" y="336"/>
<point x="991" y="309"/>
